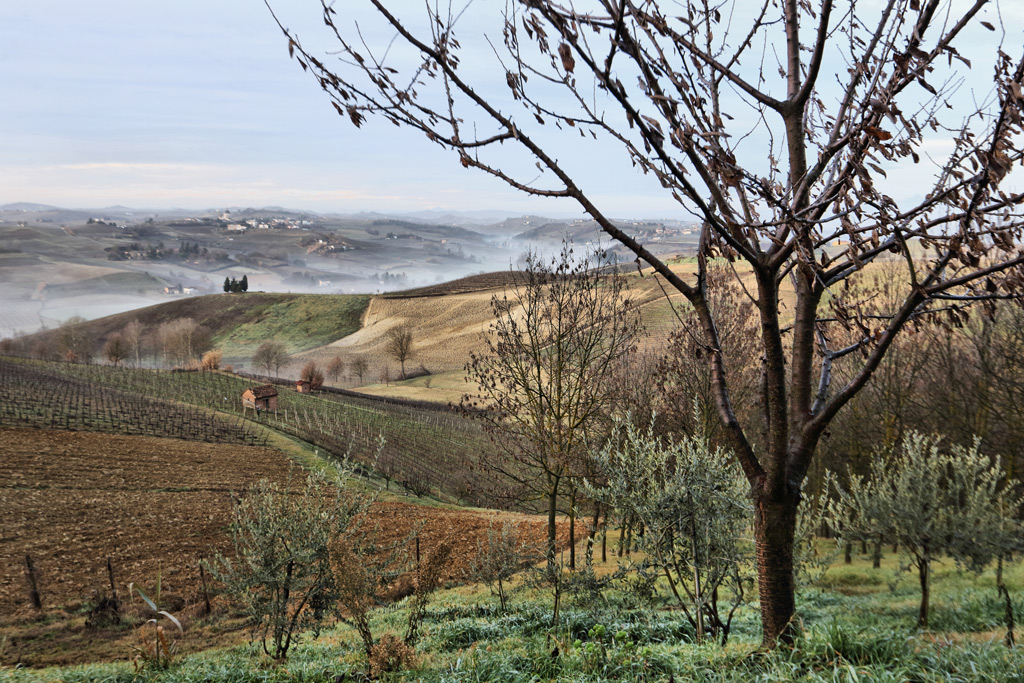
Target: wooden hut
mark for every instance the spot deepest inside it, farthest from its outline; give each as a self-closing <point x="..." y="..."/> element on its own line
<point x="302" y="386"/>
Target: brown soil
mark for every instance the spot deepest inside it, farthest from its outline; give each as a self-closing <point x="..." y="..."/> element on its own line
<point x="155" y="507"/>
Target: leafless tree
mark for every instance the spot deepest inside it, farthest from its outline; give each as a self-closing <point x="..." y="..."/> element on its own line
<point x="183" y="340"/>
<point x="785" y="127"/>
<point x="74" y="341"/>
<point x="545" y="383"/>
<point x="312" y="373"/>
<point x="270" y="354"/>
<point x="132" y="335"/>
<point x="115" y="350"/>
<point x="398" y="344"/>
<point x="335" y="368"/>
<point x="359" y="366"/>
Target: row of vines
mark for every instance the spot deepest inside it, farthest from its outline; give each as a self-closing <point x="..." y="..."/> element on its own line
<point x="42" y="396"/>
<point x="426" y="452"/>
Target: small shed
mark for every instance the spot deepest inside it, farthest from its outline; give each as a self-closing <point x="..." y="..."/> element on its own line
<point x="263" y="397"/>
<point x="302" y="386"/>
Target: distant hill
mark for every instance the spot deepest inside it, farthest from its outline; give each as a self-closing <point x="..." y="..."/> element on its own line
<point x="463" y="285"/>
<point x="27" y="206"/>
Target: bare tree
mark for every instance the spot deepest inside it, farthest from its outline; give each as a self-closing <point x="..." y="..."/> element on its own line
<point x="183" y="340"/>
<point x="312" y="373"/>
<point x="783" y="127"/>
<point x="270" y="354"/>
<point x="132" y="335"/>
<point x="359" y="366"/>
<point x="398" y="344"/>
<point x="74" y="341"/>
<point x="115" y="350"/>
<point x="335" y="368"/>
<point x="545" y="383"/>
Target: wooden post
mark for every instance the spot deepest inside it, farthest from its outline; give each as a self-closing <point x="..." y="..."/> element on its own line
<point x="206" y="594"/>
<point x="113" y="588"/>
<point x="33" y="583"/>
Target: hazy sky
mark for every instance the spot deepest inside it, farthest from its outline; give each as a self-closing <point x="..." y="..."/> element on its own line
<point x="195" y="103"/>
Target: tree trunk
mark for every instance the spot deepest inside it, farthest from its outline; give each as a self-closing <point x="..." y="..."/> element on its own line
<point x="552" y="518"/>
<point x="876" y="556"/>
<point x="774" y="528"/>
<point x="593" y="533"/>
<point x="847" y="553"/>
<point x="572" y="530"/>
<point x="604" y="539"/>
<point x="923" y="567"/>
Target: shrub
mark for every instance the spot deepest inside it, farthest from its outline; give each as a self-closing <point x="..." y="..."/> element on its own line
<point x="366" y="576"/>
<point x="155" y="649"/>
<point x="427" y="579"/>
<point x="390" y="654"/>
<point x="212" y="359"/>
<point x="499" y="557"/>
<point x="312" y="373"/>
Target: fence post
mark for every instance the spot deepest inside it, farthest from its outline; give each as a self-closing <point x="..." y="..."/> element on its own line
<point x="33" y="583"/>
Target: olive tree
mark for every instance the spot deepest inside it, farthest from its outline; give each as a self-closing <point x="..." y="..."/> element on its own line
<point x="691" y="499"/>
<point x="281" y="571"/>
<point x="788" y="129"/>
<point x="933" y="501"/>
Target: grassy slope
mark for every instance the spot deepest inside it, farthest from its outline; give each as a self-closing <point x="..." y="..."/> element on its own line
<point x="240" y="322"/>
<point x="301" y="321"/>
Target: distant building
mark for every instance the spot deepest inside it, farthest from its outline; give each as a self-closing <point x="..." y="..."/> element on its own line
<point x="259" y="398"/>
<point x="302" y="386"/>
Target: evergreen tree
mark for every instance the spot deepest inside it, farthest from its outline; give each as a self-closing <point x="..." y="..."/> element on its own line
<point x="243" y="286"/>
<point x="227" y="284"/>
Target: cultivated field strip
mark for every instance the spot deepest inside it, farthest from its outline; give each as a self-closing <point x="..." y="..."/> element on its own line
<point x="425" y="451"/>
<point x="43" y="396"/>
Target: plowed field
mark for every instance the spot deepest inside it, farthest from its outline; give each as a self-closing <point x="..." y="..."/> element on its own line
<point x="153" y="506"/>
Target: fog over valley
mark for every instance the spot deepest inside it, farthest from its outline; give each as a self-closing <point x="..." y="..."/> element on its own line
<point x="58" y="263"/>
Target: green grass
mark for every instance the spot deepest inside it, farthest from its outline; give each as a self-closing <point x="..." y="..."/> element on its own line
<point x="864" y="637"/>
<point x="239" y="323"/>
<point x="301" y="322"/>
